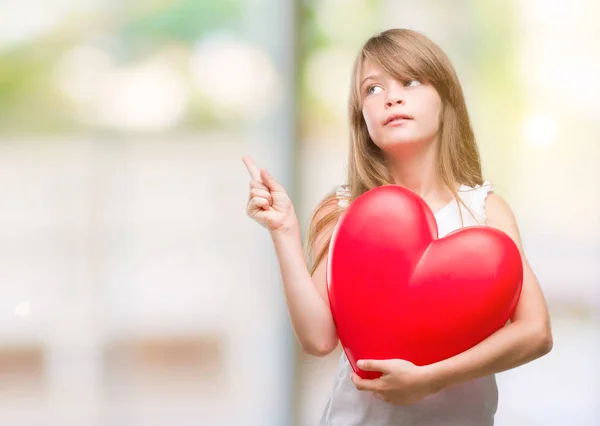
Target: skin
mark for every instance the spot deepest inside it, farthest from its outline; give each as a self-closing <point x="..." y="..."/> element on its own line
<point x="410" y="148"/>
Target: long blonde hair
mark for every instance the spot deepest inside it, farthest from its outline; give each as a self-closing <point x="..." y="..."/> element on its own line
<point x="404" y="54"/>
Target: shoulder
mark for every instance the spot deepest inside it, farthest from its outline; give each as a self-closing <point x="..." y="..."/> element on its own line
<point x="498" y="211"/>
<point x="320" y="228"/>
<point x="499" y="214"/>
<point x="342" y="195"/>
<point x="332" y="204"/>
<point x="326" y="207"/>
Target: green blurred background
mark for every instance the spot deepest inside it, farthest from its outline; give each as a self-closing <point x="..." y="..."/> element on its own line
<point x="136" y="291"/>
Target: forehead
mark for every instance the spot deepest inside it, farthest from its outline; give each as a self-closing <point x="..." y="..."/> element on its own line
<point x="369" y="68"/>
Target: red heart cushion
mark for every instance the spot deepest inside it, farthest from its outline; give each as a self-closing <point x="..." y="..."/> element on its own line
<point x="397" y="291"/>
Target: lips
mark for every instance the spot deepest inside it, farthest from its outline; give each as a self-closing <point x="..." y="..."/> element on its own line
<point x="394" y="117"/>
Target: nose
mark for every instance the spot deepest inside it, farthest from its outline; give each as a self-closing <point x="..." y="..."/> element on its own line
<point x="394" y="97"/>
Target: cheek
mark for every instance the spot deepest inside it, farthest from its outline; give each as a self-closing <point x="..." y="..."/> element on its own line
<point x="434" y="113"/>
<point x="367" y="116"/>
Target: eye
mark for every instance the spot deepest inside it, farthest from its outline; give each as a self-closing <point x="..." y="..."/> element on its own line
<point x="412" y="83"/>
<point x="371" y="89"/>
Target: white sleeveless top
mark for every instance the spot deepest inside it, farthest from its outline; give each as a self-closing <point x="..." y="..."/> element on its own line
<point x="472" y="403"/>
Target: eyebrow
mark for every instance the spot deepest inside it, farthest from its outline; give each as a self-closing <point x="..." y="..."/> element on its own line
<point x="371" y="77"/>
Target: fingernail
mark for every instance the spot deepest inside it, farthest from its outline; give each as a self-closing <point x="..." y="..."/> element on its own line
<point x="360" y="364"/>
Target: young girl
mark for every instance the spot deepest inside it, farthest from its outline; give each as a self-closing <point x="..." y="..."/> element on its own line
<point x="408" y="126"/>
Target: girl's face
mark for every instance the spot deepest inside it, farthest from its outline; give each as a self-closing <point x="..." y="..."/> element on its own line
<point x="398" y="112"/>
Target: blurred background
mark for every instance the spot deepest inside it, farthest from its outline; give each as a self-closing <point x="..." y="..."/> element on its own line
<point x="134" y="289"/>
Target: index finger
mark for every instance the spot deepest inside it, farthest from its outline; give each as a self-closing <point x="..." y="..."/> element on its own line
<point x="252" y="169"/>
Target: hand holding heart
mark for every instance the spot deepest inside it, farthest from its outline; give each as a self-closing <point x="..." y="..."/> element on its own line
<point x="401" y="381"/>
<point x="397" y="291"/>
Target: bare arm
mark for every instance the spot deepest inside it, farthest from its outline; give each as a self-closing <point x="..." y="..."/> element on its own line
<point x="527" y="337"/>
<point x="306" y="297"/>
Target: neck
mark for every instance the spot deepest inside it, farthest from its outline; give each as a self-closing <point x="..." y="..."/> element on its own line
<point x="415" y="168"/>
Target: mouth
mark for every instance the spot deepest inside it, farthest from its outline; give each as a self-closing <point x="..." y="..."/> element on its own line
<point x="396" y="118"/>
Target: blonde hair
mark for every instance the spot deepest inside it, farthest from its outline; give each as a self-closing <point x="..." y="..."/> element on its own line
<point x="405" y="55"/>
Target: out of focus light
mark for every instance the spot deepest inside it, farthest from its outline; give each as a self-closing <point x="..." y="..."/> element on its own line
<point x="148" y="96"/>
<point x="23" y="309"/>
<point x="328" y="78"/>
<point x="561" y="69"/>
<point x="28" y="19"/>
<point x="570" y="82"/>
<point x="236" y="77"/>
<point x="80" y="72"/>
<point x="333" y="17"/>
<point x="539" y="130"/>
<point x="561" y="13"/>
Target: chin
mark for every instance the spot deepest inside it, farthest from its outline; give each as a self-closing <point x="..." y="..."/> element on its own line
<point x="398" y="144"/>
<point x="391" y="145"/>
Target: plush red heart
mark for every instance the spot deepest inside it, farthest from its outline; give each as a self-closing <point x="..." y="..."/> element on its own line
<point x="398" y="291"/>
